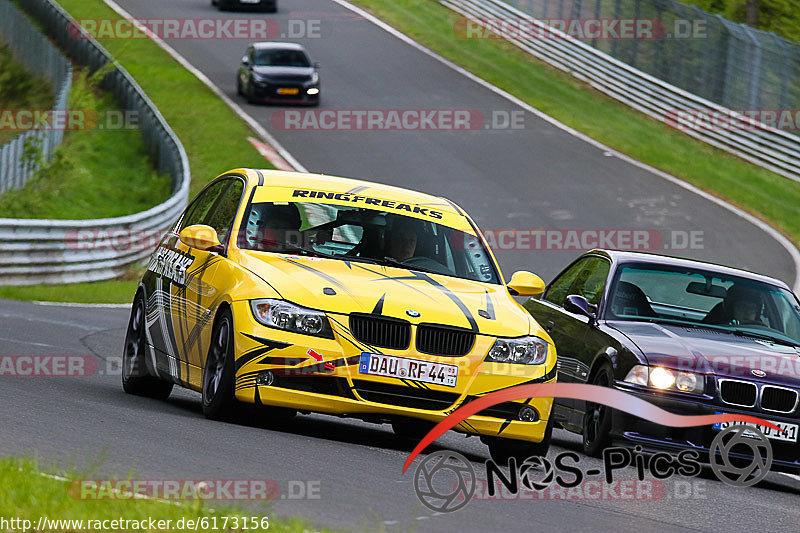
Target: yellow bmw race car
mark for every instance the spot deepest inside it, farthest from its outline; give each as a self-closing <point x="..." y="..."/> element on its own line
<point x="301" y="292"/>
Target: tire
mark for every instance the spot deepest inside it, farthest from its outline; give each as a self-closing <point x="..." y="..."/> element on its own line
<point x="597" y="419"/>
<point x="239" y="90"/>
<point x="219" y="402"/>
<point x="135" y="377"/>
<point x="251" y="93"/>
<point x="411" y="430"/>
<point x="501" y="450"/>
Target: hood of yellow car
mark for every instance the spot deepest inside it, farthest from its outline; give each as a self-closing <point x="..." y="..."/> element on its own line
<point x="345" y="287"/>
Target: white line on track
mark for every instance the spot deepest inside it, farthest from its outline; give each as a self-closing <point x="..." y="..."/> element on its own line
<point x="772" y="232"/>
<point x="70" y="304"/>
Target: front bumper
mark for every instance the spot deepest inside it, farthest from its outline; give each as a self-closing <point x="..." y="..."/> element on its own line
<point x="267" y="92"/>
<point x="652" y="436"/>
<point x="335" y="385"/>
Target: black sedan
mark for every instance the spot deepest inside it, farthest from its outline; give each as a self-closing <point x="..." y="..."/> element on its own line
<point x="694" y="338"/>
<point x="270" y="6"/>
<point x="278" y="73"/>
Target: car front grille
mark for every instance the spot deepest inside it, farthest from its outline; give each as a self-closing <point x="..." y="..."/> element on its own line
<point x="382" y="332"/>
<point x="739" y="393"/>
<point x="444" y="340"/>
<point x="402" y="396"/>
<point x="778" y="399"/>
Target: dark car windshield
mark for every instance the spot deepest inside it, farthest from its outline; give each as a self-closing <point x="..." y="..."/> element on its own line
<point x="366" y="235"/>
<point x="281" y="58"/>
<point x="697" y="297"/>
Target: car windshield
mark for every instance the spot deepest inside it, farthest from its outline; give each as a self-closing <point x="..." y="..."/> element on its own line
<point x="281" y="58"/>
<point x="702" y="298"/>
<point x="366" y="235"/>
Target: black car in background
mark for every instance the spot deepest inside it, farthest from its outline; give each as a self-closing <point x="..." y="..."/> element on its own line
<point x="278" y="73"/>
<point x="691" y="337"/>
<point x="270" y="6"/>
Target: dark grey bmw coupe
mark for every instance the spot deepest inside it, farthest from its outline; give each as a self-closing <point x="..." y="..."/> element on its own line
<point x="691" y="337"/>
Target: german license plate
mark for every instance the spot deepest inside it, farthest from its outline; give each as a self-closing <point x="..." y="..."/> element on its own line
<point x="406" y="368"/>
<point x="789" y="434"/>
<point x="288" y="90"/>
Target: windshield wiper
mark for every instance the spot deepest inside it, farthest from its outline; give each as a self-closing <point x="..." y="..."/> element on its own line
<point x="394" y="262"/>
<point x="763" y="336"/>
<point x="293" y="248"/>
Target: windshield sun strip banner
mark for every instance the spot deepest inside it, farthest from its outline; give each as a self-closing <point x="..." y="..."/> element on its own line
<point x="440" y="214"/>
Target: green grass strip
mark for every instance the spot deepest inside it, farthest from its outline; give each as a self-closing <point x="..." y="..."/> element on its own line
<point x="26" y="494"/>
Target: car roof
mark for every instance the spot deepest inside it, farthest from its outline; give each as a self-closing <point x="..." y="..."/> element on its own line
<point x="620" y="257"/>
<point x="261" y="45"/>
<point x="322" y="182"/>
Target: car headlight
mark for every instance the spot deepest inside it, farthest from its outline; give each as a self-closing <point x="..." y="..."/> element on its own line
<point x="523" y="350"/>
<point x="287" y="316"/>
<point x="665" y="379"/>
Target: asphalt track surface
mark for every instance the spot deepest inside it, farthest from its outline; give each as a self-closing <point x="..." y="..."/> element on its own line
<point x="537" y="177"/>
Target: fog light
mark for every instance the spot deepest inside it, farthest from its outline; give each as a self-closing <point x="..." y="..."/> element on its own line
<point x="528" y="414"/>
<point x="312" y="91"/>
<point x="265" y="378"/>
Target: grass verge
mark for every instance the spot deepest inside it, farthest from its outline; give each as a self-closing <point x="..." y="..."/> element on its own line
<point x="26" y="494"/>
<point x="766" y="195"/>
<point x="215" y="138"/>
<point x="79" y="182"/>
<point x="19" y="89"/>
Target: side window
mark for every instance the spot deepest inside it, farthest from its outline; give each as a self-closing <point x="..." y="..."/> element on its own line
<point x="202" y="204"/>
<point x="560" y="287"/>
<point x="223" y="212"/>
<point x="592" y="280"/>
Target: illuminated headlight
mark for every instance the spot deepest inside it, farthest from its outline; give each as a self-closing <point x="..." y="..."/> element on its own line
<point x="665" y="379"/>
<point x="524" y="351"/>
<point x="313" y="90"/>
<point x="290" y="317"/>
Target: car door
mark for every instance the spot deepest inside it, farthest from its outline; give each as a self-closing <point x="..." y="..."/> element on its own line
<point x="196" y="300"/>
<point x="181" y="286"/>
<point x="571" y="332"/>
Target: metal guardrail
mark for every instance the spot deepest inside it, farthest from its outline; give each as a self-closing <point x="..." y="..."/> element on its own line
<point x="69" y="251"/>
<point x="770" y="148"/>
<point x="41" y="58"/>
<point x="732" y="64"/>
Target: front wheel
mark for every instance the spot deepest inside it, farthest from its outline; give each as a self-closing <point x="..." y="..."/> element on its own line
<point x="218" y="373"/>
<point x="597" y="417"/>
<point x="135" y="377"/>
<point x="251" y="93"/>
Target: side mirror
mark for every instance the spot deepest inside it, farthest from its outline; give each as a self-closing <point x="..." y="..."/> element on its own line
<point x="201" y="237"/>
<point x="245" y="61"/>
<point x="524" y="283"/>
<point x="580" y="306"/>
<point x="317" y="65"/>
